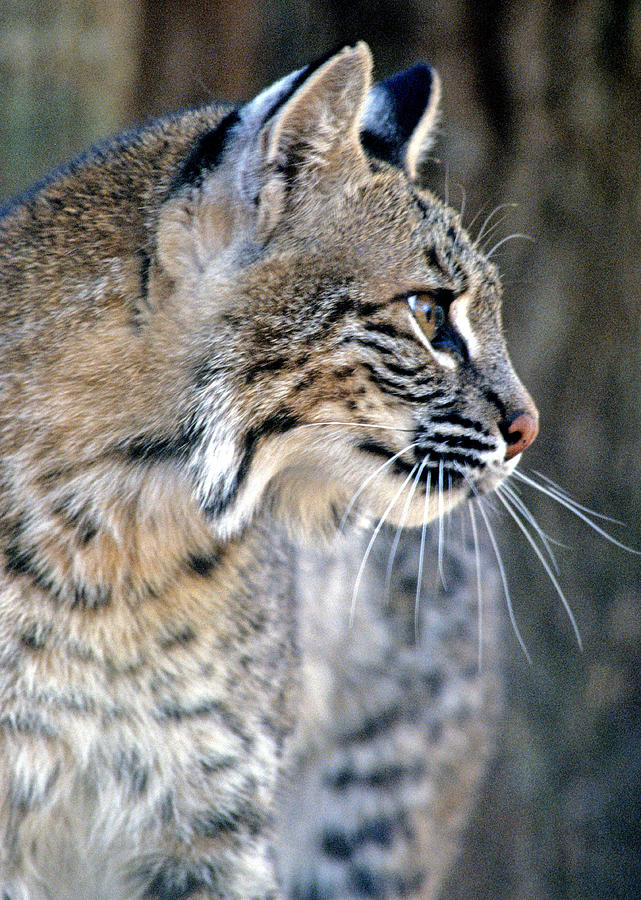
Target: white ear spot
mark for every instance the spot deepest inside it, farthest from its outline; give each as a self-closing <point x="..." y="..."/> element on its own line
<point x="422" y="139"/>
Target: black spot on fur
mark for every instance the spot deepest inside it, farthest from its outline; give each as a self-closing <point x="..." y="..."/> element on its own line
<point x="181" y="637"/>
<point x="30" y="792"/>
<point x="432" y="258"/>
<point x="399" y="466"/>
<point x="203" y="565"/>
<point x="205" y="155"/>
<point x="27" y="723"/>
<point x="161" y="448"/>
<point x="214" y="822"/>
<point x="268" y="365"/>
<point x="145" y="266"/>
<point x="177" y="711"/>
<point x="130" y="770"/>
<point x="434" y="681"/>
<point x="173" y="881"/>
<point x="336" y="844"/>
<point x="86" y="596"/>
<point x="35" y="637"/>
<point x="87" y="530"/>
<point x="213" y="765"/>
<point x="373" y="727"/>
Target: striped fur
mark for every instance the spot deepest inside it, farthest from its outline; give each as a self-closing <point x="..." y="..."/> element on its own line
<point x="207" y="352"/>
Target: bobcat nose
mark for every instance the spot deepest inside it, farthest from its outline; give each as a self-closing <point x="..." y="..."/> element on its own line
<point x="520" y="433"/>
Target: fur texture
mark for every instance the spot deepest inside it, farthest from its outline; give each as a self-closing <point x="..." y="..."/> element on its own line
<point x="207" y="350"/>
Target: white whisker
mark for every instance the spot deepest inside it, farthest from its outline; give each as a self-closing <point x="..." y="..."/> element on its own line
<point x="440" y="524"/>
<point x="506" y="591"/>
<point x="375" y="534"/>
<point x="489" y="218"/>
<point x="397" y="536"/>
<point x="356" y="425"/>
<point x="495" y="226"/>
<point x="479" y="594"/>
<point x="476" y="216"/>
<point x="510" y="237"/>
<point x="462" y="210"/>
<point x="545" y="565"/>
<point x="369" y="479"/>
<point x="421" y="556"/>
<point x="525" y="512"/>
<point x="572" y="507"/>
<point x="563" y="495"/>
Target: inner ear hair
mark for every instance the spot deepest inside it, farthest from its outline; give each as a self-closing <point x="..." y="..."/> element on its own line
<point x="325" y="109"/>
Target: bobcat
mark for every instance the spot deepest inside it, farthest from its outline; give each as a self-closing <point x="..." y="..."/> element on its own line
<point x="220" y="335"/>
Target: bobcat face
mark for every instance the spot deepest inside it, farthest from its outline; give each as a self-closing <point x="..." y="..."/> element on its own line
<point x="348" y="329"/>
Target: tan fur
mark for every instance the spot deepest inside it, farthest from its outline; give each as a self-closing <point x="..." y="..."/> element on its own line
<point x="174" y="344"/>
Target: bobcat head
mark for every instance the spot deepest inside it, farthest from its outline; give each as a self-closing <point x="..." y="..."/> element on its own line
<point x="255" y="306"/>
<point x="341" y="321"/>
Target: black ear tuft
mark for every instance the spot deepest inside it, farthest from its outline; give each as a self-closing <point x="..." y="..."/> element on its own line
<point x="205" y="154"/>
<point x="300" y="76"/>
<point x="394" y="109"/>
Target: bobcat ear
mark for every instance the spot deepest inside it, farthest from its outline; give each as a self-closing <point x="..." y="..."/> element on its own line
<point x="288" y="133"/>
<point x="300" y="123"/>
<point x="400" y="116"/>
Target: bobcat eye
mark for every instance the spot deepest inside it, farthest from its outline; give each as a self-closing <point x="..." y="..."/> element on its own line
<point x="429" y="315"/>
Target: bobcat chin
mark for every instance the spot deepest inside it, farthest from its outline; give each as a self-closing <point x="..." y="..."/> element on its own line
<point x="219" y="335"/>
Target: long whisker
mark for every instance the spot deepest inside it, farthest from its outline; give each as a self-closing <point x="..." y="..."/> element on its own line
<point x="489" y="218"/>
<point x="543" y="562"/>
<point x="375" y="534"/>
<point x="421" y="556"/>
<point x="476" y="217"/>
<point x="369" y="479"/>
<point x="357" y="425"/>
<point x="506" y="591"/>
<point x="479" y="593"/>
<point x="440" y="523"/>
<point x="401" y="525"/>
<point x="495" y="226"/>
<point x="573" y="508"/>
<point x="563" y="495"/>
<point x="525" y="512"/>
<point x="510" y="237"/>
<point x="463" y="199"/>
<point x="545" y="537"/>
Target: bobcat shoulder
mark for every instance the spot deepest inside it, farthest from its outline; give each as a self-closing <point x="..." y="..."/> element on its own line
<point x="218" y="334"/>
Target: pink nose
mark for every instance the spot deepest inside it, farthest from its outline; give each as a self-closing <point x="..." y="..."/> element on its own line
<point x="521" y="433"/>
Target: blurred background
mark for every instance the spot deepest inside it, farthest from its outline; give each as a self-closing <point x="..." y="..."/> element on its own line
<point x="541" y="109"/>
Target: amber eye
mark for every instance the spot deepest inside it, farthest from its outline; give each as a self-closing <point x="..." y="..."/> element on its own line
<point x="428" y="314"/>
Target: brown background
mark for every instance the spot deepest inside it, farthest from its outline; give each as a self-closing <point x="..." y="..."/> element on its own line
<point x="541" y="104"/>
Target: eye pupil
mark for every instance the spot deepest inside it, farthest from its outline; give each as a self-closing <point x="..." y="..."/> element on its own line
<point x="428" y="315"/>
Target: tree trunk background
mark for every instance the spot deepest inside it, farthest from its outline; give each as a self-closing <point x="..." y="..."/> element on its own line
<point x="541" y="108"/>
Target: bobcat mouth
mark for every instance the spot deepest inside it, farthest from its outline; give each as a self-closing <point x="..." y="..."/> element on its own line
<point x="445" y="463"/>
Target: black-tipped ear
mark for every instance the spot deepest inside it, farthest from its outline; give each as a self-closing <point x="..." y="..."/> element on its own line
<point x="400" y="116"/>
<point x="299" y="123"/>
<point x="287" y="139"/>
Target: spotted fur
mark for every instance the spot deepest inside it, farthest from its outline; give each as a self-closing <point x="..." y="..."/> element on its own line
<point x="206" y="352"/>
